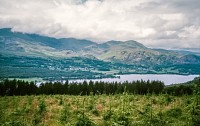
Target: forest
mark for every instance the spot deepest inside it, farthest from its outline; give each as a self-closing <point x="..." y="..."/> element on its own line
<point x="20" y="87"/>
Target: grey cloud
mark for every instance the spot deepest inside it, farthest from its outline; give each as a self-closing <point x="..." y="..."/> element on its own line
<point x="152" y="22"/>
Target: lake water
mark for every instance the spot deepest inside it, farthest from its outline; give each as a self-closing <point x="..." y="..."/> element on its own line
<point x="166" y="78"/>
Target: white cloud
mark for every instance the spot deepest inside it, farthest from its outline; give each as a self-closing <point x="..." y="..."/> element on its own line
<point x="157" y="23"/>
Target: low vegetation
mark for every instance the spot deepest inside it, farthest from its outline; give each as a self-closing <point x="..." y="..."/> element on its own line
<point x="101" y="110"/>
<point x="123" y="108"/>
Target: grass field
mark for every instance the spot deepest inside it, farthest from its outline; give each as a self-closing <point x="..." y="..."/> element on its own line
<point x="100" y="110"/>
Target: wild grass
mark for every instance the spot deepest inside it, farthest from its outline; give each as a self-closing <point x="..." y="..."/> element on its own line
<point x="101" y="110"/>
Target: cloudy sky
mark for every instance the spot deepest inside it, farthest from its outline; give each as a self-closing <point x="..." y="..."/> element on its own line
<point x="155" y="23"/>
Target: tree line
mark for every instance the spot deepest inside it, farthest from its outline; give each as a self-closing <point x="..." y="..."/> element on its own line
<point x="20" y="87"/>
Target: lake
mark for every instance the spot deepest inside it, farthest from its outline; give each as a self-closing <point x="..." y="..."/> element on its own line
<point x="166" y="78"/>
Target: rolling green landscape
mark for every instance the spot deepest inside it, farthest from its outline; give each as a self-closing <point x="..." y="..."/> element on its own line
<point x="32" y="58"/>
<point x="24" y="55"/>
<point x="99" y="63"/>
<point x="80" y="68"/>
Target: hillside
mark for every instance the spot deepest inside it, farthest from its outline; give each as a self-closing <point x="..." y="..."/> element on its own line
<point x="59" y="57"/>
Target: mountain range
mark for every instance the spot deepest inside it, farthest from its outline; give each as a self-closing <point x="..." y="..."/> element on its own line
<point x="132" y="55"/>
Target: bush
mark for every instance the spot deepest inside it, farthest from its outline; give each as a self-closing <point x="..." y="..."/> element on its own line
<point x="174" y="112"/>
<point x="83" y="120"/>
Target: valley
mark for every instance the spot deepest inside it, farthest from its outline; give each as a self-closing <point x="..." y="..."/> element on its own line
<point x="24" y="55"/>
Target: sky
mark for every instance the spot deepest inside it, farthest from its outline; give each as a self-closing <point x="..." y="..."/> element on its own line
<point x="154" y="23"/>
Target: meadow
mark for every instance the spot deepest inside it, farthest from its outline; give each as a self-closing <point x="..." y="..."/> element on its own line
<point x="100" y="110"/>
<point x="137" y="103"/>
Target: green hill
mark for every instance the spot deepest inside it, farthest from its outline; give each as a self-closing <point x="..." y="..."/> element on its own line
<point x="112" y="57"/>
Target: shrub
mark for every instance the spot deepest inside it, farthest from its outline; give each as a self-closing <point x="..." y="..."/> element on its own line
<point x="65" y="113"/>
<point x="83" y="120"/>
<point x="42" y="107"/>
<point x="174" y="112"/>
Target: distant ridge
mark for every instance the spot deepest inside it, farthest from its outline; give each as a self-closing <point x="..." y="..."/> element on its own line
<point x="24" y="55"/>
<point x="128" y="52"/>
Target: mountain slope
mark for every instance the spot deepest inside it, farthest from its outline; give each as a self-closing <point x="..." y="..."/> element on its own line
<point x="122" y="57"/>
<point x="129" y="52"/>
<point x="32" y="44"/>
